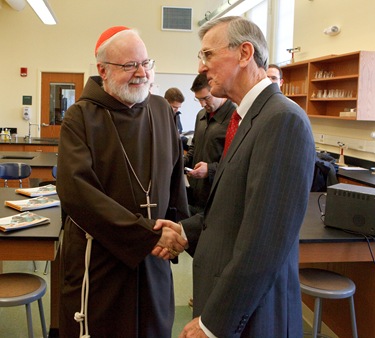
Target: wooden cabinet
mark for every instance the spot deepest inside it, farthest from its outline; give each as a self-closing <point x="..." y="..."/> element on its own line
<point x="27" y="147"/>
<point x="334" y="86"/>
<point x="41" y="148"/>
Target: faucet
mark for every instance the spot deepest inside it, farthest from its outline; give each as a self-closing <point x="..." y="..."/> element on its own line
<point x="28" y="137"/>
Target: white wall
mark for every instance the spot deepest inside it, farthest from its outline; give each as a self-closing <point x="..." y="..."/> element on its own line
<point x="68" y="46"/>
<point x="356" y="19"/>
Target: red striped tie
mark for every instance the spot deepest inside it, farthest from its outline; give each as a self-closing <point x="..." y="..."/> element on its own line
<point x="231" y="131"/>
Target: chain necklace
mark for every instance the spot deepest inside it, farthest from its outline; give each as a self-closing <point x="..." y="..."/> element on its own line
<point x="148" y="203"/>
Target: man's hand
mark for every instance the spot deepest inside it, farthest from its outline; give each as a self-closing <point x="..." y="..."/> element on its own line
<point x="192" y="330"/>
<point x="170" y="244"/>
<point x="200" y="170"/>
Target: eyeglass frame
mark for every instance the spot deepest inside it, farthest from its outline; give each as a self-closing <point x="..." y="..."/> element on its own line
<point x="206" y="98"/>
<point x="274" y="78"/>
<point x="134" y="64"/>
<point x="202" y="53"/>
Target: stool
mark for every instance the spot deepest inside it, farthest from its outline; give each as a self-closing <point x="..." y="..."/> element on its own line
<point x="23" y="289"/>
<point x="330" y="285"/>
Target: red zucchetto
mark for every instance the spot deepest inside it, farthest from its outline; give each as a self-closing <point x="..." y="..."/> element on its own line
<point x="108" y="34"/>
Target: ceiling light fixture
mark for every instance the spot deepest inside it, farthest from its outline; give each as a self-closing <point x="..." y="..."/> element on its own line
<point x="17" y="5"/>
<point x="43" y="10"/>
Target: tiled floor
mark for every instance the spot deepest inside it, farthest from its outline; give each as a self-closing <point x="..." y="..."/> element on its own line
<point x="13" y="320"/>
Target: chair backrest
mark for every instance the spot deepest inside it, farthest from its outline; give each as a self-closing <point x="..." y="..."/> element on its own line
<point x="14" y="171"/>
<point x="54" y="171"/>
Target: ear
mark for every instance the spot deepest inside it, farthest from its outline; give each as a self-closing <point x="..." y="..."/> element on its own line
<point x="101" y="70"/>
<point x="247" y="52"/>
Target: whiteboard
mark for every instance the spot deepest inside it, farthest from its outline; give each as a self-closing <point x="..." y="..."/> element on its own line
<point x="183" y="82"/>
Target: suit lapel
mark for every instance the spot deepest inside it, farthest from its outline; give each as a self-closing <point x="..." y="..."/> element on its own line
<point x="243" y="130"/>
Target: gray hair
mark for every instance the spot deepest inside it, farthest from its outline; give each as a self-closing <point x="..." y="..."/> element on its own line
<point x="241" y="30"/>
<point x="102" y="50"/>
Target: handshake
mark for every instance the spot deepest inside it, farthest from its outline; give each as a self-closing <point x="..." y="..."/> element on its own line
<point x="171" y="243"/>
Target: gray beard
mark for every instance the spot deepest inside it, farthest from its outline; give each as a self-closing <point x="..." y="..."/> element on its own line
<point x="127" y="94"/>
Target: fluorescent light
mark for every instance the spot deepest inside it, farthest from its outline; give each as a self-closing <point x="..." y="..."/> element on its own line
<point x="43" y="10"/>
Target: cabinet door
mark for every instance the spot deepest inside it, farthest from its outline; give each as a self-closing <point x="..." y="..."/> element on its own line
<point x="39" y="148"/>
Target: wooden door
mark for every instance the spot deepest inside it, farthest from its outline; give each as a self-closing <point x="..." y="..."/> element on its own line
<point x="59" y="91"/>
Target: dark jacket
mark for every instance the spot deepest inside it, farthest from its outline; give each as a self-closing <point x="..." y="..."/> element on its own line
<point x="207" y="146"/>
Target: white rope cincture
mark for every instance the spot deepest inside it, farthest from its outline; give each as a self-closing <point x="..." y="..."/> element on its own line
<point x="82" y="316"/>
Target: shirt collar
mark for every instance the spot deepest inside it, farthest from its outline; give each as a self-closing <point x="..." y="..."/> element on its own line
<point x="250" y="97"/>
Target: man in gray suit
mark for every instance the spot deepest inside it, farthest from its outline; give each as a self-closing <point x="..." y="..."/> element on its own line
<point x="245" y="245"/>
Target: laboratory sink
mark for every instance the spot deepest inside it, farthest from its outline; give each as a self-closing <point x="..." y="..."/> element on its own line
<point x="44" y="139"/>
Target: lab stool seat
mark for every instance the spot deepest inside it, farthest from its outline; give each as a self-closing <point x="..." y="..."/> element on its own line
<point x="326" y="284"/>
<point x="23" y="289"/>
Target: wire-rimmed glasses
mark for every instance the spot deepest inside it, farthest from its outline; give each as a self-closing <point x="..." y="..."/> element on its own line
<point x="133" y="66"/>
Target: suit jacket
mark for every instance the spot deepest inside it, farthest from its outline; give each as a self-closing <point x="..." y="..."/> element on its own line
<point x="245" y="246"/>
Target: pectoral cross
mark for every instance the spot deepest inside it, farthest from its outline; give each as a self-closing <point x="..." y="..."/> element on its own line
<point x="148" y="205"/>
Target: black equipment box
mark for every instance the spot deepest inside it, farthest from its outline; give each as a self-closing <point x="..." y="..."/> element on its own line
<point x="351" y="207"/>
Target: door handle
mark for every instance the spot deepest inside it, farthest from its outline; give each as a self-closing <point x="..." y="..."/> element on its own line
<point x="45" y="125"/>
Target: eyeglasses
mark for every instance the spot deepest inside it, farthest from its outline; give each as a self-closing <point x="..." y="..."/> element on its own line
<point x="206" y="98"/>
<point x="274" y="78"/>
<point x="133" y="66"/>
<point x="203" y="55"/>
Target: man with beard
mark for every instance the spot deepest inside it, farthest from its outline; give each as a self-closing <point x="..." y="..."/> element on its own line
<point x="120" y="168"/>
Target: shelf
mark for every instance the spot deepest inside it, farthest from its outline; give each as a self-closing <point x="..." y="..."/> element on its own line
<point x="336" y="78"/>
<point x="334" y="99"/>
<point x="347" y="80"/>
<point x="296" y="95"/>
<point x="332" y="117"/>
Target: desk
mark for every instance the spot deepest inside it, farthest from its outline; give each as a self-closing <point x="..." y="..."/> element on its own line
<point x="361" y="177"/>
<point x="38" y="243"/>
<point x="344" y="253"/>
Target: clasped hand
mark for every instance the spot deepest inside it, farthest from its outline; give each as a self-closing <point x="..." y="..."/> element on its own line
<point x="170" y="244"/>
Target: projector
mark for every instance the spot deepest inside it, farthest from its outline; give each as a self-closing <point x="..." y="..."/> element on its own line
<point x="351" y="207"/>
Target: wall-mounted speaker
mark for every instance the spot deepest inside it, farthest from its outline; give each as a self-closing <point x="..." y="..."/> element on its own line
<point x="177" y="18"/>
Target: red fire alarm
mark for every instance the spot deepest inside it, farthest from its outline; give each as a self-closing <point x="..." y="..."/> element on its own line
<point x="23" y="71"/>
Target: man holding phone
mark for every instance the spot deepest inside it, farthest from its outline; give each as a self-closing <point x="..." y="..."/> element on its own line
<point x="207" y="145"/>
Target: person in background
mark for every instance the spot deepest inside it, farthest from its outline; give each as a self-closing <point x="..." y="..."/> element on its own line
<point x="175" y="98"/>
<point x="120" y="168"/>
<point x="207" y="144"/>
<point x="275" y="74"/>
<point x="245" y="246"/>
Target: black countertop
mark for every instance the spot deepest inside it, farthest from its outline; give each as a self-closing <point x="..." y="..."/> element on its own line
<point x="41" y="141"/>
<point x="313" y="229"/>
<point x="361" y="176"/>
<point x="46" y="231"/>
<point x="34" y="159"/>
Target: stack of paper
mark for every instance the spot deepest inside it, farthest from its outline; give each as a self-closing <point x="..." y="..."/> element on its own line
<point x="33" y="203"/>
<point x="20" y="221"/>
<point x="45" y="190"/>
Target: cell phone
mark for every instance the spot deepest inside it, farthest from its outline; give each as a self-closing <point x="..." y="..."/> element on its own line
<point x="187" y="169"/>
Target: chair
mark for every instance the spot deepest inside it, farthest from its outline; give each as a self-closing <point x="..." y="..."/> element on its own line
<point x="54" y="171"/>
<point x="330" y="285"/>
<point x="23" y="289"/>
<point x="14" y="171"/>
